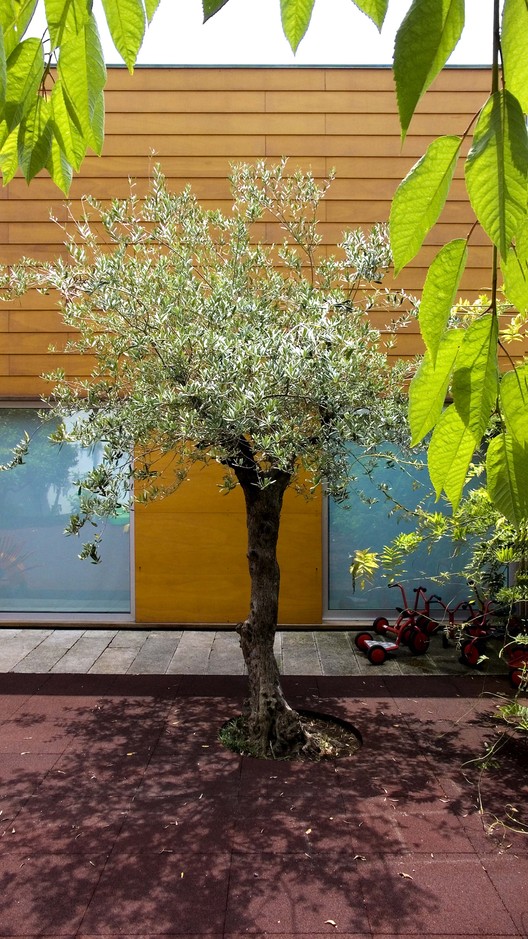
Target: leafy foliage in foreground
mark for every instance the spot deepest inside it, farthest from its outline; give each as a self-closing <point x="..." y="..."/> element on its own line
<point x="496" y="175"/>
<point x="49" y="119"/>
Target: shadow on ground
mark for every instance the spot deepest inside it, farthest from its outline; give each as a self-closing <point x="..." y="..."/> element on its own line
<point x="123" y="815"/>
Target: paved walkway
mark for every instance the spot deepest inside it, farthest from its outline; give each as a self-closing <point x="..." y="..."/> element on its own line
<point x="207" y="652"/>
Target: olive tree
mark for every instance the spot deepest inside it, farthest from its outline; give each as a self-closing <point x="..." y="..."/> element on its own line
<point x="209" y="346"/>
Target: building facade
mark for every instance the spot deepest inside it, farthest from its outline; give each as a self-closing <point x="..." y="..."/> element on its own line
<point x="182" y="560"/>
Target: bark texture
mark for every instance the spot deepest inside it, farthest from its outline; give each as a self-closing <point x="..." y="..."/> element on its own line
<point x="275" y="728"/>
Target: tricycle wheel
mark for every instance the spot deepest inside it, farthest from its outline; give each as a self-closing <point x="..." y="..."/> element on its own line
<point x="418" y="642"/>
<point x="470" y="653"/>
<point x="361" y="639"/>
<point x="425" y="624"/>
<point x="380" y="624"/>
<point x="376" y="655"/>
<point x="516" y="655"/>
<point x="517" y="677"/>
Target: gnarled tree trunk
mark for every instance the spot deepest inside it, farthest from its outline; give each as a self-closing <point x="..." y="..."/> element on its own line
<point x="275" y="728"/>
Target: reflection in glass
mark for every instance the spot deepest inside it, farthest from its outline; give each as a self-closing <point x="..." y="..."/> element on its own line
<point x="369" y="525"/>
<point x="39" y="568"/>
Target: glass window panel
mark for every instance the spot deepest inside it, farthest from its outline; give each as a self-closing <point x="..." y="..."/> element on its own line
<point x="40" y="571"/>
<point x="370" y="526"/>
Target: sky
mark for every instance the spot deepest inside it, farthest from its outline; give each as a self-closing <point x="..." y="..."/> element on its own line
<point x="249" y="32"/>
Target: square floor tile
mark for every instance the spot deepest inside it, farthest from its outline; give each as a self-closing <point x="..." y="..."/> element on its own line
<point x="175" y="892"/>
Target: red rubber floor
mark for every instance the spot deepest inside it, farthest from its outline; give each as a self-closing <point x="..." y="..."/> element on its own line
<point x="122" y="815"/>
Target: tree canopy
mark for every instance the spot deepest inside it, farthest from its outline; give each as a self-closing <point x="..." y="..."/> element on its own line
<point x="206" y="341"/>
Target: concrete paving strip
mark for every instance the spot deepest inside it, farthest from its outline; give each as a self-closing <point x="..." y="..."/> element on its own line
<point x="192" y="655"/>
<point x="300" y="655"/>
<point x="208" y="652"/>
<point x="336" y="653"/>
<point x="82" y="655"/>
<point x="15" y="648"/>
<point x="156" y="653"/>
<point x="226" y="656"/>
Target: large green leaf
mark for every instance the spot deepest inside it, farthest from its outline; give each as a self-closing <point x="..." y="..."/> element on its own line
<point x="514" y="402"/>
<point x="66" y="131"/>
<point x="439" y="293"/>
<point x="4" y="133"/>
<point x="374" y="9"/>
<point x="425" y="40"/>
<point x="515" y="269"/>
<point x="296" y="16"/>
<point x="34" y="139"/>
<point x="513" y="45"/>
<point x="25" y="67"/>
<point x="420" y="198"/>
<point x="210" y="7"/>
<point x="58" y="167"/>
<point x="66" y="18"/>
<point x="15" y="17"/>
<point x="83" y="74"/>
<point x="9" y="156"/>
<point x="152" y="5"/>
<point x="98" y="121"/>
<point x="428" y="389"/>
<point x="3" y="70"/>
<point x="507" y="476"/>
<point x="450" y="452"/>
<point x="497" y="167"/>
<point x="476" y="376"/>
<point x="126" y="22"/>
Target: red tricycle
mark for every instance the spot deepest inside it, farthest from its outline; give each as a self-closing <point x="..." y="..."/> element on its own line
<point x="490" y="620"/>
<point x="407" y="630"/>
<point x="516" y="655"/>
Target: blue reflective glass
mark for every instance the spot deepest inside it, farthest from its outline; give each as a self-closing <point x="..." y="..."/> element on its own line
<point x="40" y="571"/>
<point x="369" y="524"/>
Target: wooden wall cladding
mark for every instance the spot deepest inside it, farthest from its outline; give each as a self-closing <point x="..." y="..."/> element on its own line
<point x="195" y="122"/>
